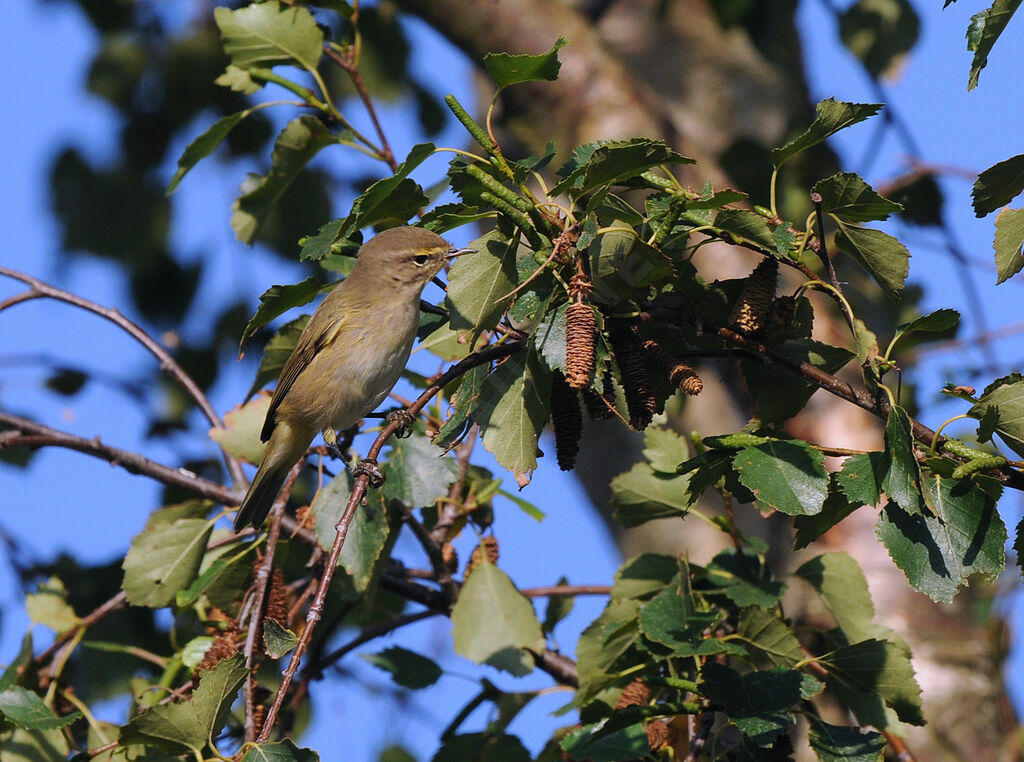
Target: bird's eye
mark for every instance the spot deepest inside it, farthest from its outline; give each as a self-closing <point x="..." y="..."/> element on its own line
<point x="420" y="259"/>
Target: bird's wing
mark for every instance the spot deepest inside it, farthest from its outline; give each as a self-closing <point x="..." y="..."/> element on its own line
<point x="317" y="335"/>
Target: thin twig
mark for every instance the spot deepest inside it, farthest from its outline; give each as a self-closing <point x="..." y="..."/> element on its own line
<point x="38" y="289"/>
<point x="566" y="591"/>
<point x="369" y="633"/>
<point x="350" y="68"/>
<point x="114" y="603"/>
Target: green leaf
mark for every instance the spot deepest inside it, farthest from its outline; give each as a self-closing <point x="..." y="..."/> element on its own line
<point x="240" y="434"/>
<point x="477" y="282"/>
<point x="415" y="473"/>
<point x="1009" y="240"/>
<point x="747" y="225"/>
<point x="833" y="743"/>
<point x="550" y="338"/>
<point x="239" y="80"/>
<point x="49" y="606"/>
<point x="789" y="476"/>
<point x="1002" y="404"/>
<point x="371" y="531"/>
<point x="163" y="560"/>
<point x="621" y="263"/>
<point x="267" y="34"/>
<point x="279" y="751"/>
<point x="464" y="401"/>
<point x="983" y="31"/>
<point x="770" y="636"/>
<point x="847" y="196"/>
<point x="609" y="163"/>
<point x="299" y="141"/>
<point x="884" y="257"/>
<point x="841" y="584"/>
<point x="392" y="200"/>
<point x="879" y="33"/>
<point x="861" y="477"/>
<point x="408" y="668"/>
<point x="902" y="479"/>
<point x="16" y="666"/>
<point x="526" y="507"/>
<point x="482" y="747"/>
<point x="941" y="321"/>
<point x="558" y="608"/>
<point x="277" y="352"/>
<point x="641" y="495"/>
<point x="672" y="619"/>
<point x="204" y="145"/>
<point x="836" y="508"/>
<point x="492" y="618"/>
<point x="508" y="69"/>
<point x="665" y="449"/>
<point x="278" y="640"/>
<point x="743" y="579"/>
<point x="998" y="185"/>
<point x="831" y="117"/>
<point x="940" y="553"/>
<point x="217" y="689"/>
<point x="878" y="667"/>
<point x="26" y="710"/>
<point x="512" y="411"/>
<point x="277" y="300"/>
<point x="757" y="702"/>
<point x="584" y="743"/>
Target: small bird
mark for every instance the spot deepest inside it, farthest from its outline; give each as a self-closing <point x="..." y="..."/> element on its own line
<point x="349" y="355"/>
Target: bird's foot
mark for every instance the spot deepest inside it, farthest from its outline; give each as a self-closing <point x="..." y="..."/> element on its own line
<point x="333" y="448"/>
<point x="368" y="467"/>
<point x="404" y="419"/>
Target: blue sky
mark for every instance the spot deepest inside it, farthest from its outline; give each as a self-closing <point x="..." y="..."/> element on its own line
<point x="66" y="500"/>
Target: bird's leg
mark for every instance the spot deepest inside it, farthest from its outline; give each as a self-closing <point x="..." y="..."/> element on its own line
<point x="368" y="467"/>
<point x="405" y="420"/>
<point x="331" y="438"/>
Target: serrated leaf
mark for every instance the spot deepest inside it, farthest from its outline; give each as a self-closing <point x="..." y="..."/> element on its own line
<point x="407" y="668"/>
<point x="277" y="352"/>
<point x="846" y="195"/>
<point x="240" y="435"/>
<point x="482" y="747"/>
<point x="492" y="617"/>
<point x="998" y="185"/>
<point x="742" y="579"/>
<point x="239" y="80"/>
<point x="839" y="581"/>
<point x="831" y="117"/>
<point x="26" y="710"/>
<point x="268" y="34"/>
<point x="279" y="751"/>
<point x="204" y="145"/>
<point x="982" y="33"/>
<point x="277" y="300"/>
<point x="902" y="479"/>
<point x="1008" y="242"/>
<point x="217" y="689"/>
<point x="833" y="743"/>
<point x="861" y="477"/>
<point x="884" y="257"/>
<point x="879" y="33"/>
<point x="296" y="145"/>
<point x="508" y="69"/>
<point x="835" y="508"/>
<point x="477" y="282"/>
<point x="163" y="560"/>
<point x="415" y="473"/>
<point x="612" y="163"/>
<point x="939" y="321"/>
<point x="278" y="640"/>
<point x="583" y="743"/>
<point x="641" y="495"/>
<point x="464" y="402"/>
<point x="550" y="338"/>
<point x="769" y="635"/>
<point x="940" y="553"/>
<point x="878" y="667"/>
<point x="558" y="608"/>
<point x="665" y="449"/>
<point x="1001" y="405"/>
<point x="789" y="476"/>
<point x="672" y="619"/>
<point x="747" y="225"/>
<point x="512" y="411"/>
<point x="757" y="702"/>
<point x="49" y="606"/>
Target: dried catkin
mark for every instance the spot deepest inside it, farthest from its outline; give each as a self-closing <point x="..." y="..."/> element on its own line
<point x="680" y="375"/>
<point x="658" y="734"/>
<point x="600" y="406"/>
<point x="567" y="419"/>
<point x="637" y="693"/>
<point x="223" y="646"/>
<point x="751" y="309"/>
<point x="636" y="382"/>
<point x="580" y="333"/>
<point x="488" y="548"/>
<point x="277" y="598"/>
<point x="781" y="313"/>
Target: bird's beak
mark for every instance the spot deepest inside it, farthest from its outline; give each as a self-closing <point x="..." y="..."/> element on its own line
<point x="453" y="252"/>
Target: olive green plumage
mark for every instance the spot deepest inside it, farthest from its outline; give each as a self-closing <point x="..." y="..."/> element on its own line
<point x="350" y="354"/>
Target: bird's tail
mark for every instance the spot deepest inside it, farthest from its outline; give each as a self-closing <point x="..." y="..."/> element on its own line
<point x="285" y="448"/>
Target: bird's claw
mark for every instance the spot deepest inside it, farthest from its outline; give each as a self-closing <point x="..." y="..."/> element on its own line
<point x="404" y="419"/>
<point x="368" y="467"/>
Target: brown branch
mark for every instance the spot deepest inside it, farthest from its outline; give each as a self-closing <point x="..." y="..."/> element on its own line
<point x="348" y="64"/>
<point x="359" y="487"/>
<point x="115" y="603"/>
<point x="367" y="634"/>
<point x="39" y="289"/>
<point x="566" y="591"/>
<point x="442" y="573"/>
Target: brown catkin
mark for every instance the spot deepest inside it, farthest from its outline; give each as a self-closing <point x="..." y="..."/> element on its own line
<point x="580" y="332"/>
<point x="223" y="646"/>
<point x="567" y="419"/>
<point x="488" y="548"/>
<point x="658" y="734"/>
<point x="751" y="309"/>
<point x="680" y="375"/>
<point x="601" y="406"/>
<point x="637" y="693"/>
<point x="636" y="382"/>
<point x="277" y="598"/>
<point x="781" y="313"/>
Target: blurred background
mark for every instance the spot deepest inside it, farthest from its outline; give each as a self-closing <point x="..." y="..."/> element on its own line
<point x="106" y="94"/>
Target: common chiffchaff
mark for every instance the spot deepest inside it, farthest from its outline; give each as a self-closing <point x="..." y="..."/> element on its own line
<point x="350" y="354"/>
